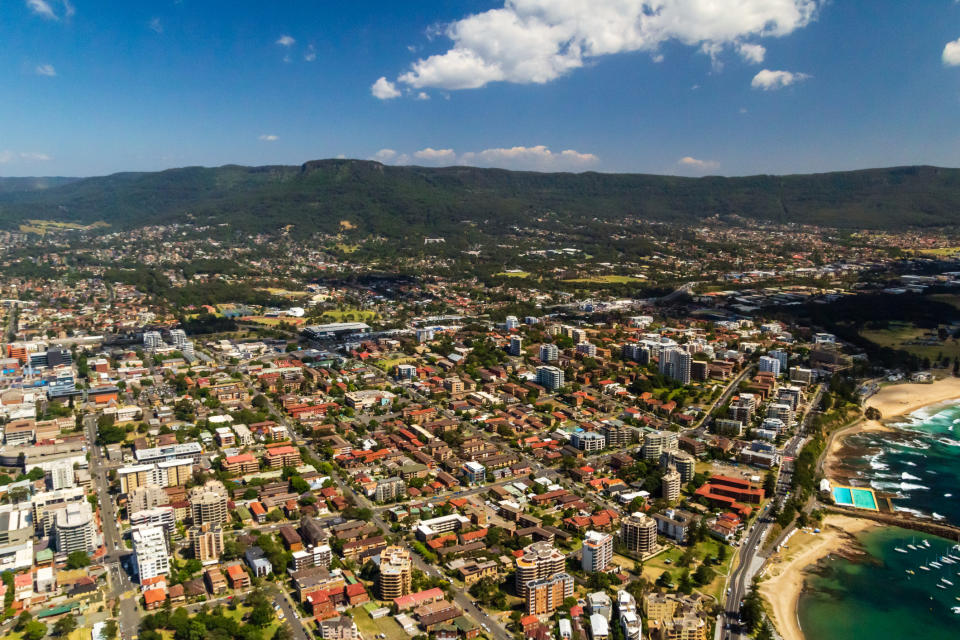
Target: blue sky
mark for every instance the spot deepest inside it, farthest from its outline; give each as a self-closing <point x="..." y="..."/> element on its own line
<point x="758" y="86"/>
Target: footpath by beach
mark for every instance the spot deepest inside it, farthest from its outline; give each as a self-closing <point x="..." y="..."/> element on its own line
<point x="784" y="576"/>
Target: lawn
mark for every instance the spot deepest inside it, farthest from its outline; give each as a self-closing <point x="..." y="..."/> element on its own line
<point x="707" y="549"/>
<point x="242" y="610"/>
<point x="940" y="252"/>
<point x="349" y="315"/>
<point x="513" y="274"/>
<point x="606" y="280"/>
<point x="284" y="293"/>
<point x="388" y="363"/>
<point x="369" y="628"/>
<point x="902" y="336"/>
<point x="272" y="322"/>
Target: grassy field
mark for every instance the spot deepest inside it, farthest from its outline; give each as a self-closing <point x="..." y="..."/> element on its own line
<point x="369" y="628"/>
<point x="667" y="561"/>
<point x="349" y="315"/>
<point x="605" y="280"/>
<point x="272" y="322"/>
<point x="242" y="610"/>
<point x="388" y="363"/>
<point x="513" y="274"/>
<point x="901" y="335"/>
<point x="41" y="227"/>
<point x="285" y="293"/>
<point x="940" y="252"/>
<point x="346" y="248"/>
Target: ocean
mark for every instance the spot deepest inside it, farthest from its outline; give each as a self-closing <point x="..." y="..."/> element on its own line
<point x="918" y="464"/>
<point x="873" y="597"/>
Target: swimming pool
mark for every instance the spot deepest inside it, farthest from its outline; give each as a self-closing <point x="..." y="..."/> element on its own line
<point x="855" y="497"/>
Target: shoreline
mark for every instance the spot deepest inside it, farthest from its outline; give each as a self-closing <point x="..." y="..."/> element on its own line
<point x="785" y="576"/>
<point x="893" y="401"/>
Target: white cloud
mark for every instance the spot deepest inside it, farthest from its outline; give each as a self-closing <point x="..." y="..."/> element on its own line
<point x="155" y="25"/>
<point x="538" y="158"/>
<point x="35" y="156"/>
<point x="537" y="41"/>
<point x="689" y="162"/>
<point x="753" y="53"/>
<point x="68" y="9"/>
<point x="422" y="95"/>
<point x="285" y="41"/>
<point x="436" y="156"/>
<point x="772" y="80"/>
<point x="6" y="156"/>
<point x="311" y="54"/>
<point x="384" y="89"/>
<point x="385" y="155"/>
<point x="42" y="8"/>
<point x="951" y="53"/>
<point x="46" y="70"/>
<point x="658" y="58"/>
<point x="268" y="137"/>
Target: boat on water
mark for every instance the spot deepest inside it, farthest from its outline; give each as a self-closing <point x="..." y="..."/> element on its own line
<point x="911" y="547"/>
<point x="954" y="558"/>
<point x="913" y="573"/>
<point x="899" y="550"/>
<point x="926" y="543"/>
<point x="924" y="567"/>
<point x="955" y="609"/>
<point x="936" y="565"/>
<point x="945" y="581"/>
<point x="947" y="560"/>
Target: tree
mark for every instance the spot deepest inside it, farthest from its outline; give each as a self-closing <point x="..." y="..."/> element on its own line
<point x="65" y="625"/>
<point x="110" y="629"/>
<point x="34" y="630"/>
<point x="770" y="483"/>
<point x="703" y="575"/>
<point x="282" y="633"/>
<point x="78" y="560"/>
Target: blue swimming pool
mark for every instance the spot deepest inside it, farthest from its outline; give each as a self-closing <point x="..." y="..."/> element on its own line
<point x="855" y="497"/>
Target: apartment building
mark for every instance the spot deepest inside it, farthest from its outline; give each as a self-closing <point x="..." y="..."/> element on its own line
<point x="638" y="533"/>
<point x="395" y="572"/>
<point x="208" y="503"/>
<point x="150" y="553"/>
<point x="597" y="551"/>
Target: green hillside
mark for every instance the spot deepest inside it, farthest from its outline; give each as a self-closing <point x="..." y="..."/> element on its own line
<point x="408" y="201"/>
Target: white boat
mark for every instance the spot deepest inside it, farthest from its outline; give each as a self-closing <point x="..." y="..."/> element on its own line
<point x="941" y="586"/>
<point x="954" y="558"/>
<point x="955" y="609"/>
<point x="924" y="568"/>
<point x="947" y="560"/>
<point x="899" y="550"/>
<point x="936" y="565"/>
<point x="911" y="572"/>
<point x="945" y="581"/>
<point x="911" y="547"/>
<point x="926" y="543"/>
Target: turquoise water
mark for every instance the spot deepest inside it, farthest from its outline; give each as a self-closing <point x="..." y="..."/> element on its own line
<point x="875" y="599"/>
<point x="919" y="464"/>
<point x="862" y="498"/>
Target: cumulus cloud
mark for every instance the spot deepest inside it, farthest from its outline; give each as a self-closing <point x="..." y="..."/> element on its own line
<point x="537" y="41"/>
<point x="268" y="137"/>
<point x="46" y="70"/>
<point x="951" y="53"/>
<point x="35" y="156"/>
<point x="285" y="41"/>
<point x="768" y="80"/>
<point x="536" y="158"/>
<point x="155" y="25"/>
<point x="436" y="156"/>
<point x="539" y="158"/>
<point x="384" y="89"/>
<point x="422" y="95"/>
<point x="753" y="53"/>
<point x="689" y="162"/>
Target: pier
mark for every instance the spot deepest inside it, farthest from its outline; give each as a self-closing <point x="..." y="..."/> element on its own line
<point x="905" y="521"/>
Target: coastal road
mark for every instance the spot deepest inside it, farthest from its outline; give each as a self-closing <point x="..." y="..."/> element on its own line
<point x="742" y="577"/>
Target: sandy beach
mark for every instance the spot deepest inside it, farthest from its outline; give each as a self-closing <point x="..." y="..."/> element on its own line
<point x="893" y="401"/>
<point x="784" y="577"/>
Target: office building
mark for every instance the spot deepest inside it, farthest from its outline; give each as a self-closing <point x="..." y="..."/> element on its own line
<point x="588" y="441"/>
<point x="516" y="346"/>
<point x="782" y="357"/>
<point x="638" y="353"/>
<point x="161" y="516"/>
<point x="46" y="505"/>
<point x="395" y="572"/>
<point x="74" y="529"/>
<point x="511" y="323"/>
<point x="656" y="442"/>
<point x="152" y="340"/>
<point x="638" y="533"/>
<point x="60" y="476"/>
<point x="151" y="556"/>
<point x="675" y="364"/>
<point x="390" y="489"/>
<point x="587" y="349"/>
<point x="670" y="486"/>
<point x="207" y="542"/>
<point x="538" y="562"/>
<point x="597" y="551"/>
<point x="769" y="364"/>
<point x="546" y="595"/>
<point x="550" y="377"/>
<point x="549" y="352"/>
<point x="148" y="497"/>
<point x="208" y="503"/>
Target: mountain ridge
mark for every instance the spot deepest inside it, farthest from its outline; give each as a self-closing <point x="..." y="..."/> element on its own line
<point x="397" y="201"/>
